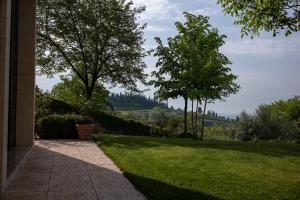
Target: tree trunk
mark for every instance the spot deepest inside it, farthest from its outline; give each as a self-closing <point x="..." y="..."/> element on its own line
<point x="196" y="119"/>
<point x="193" y="127"/>
<point x="90" y="89"/>
<point x="203" y="118"/>
<point x="185" y="115"/>
<point x="88" y="95"/>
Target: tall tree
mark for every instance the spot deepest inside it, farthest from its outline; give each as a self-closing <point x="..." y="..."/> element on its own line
<point x="269" y="15"/>
<point x="169" y="77"/>
<point x="214" y="82"/>
<point x="205" y="72"/>
<point x="96" y="40"/>
<point x="191" y="65"/>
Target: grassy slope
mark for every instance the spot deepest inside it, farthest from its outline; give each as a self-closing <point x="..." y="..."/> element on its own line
<point x="188" y="169"/>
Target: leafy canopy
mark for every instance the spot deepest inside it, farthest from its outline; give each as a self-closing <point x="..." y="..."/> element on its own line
<point x="72" y="91"/>
<point x="268" y="15"/>
<point x="206" y="73"/>
<point x="191" y="64"/>
<point x="168" y="77"/>
<point x="96" y="40"/>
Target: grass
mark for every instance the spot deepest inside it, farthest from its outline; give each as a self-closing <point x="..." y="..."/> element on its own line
<point x="185" y="169"/>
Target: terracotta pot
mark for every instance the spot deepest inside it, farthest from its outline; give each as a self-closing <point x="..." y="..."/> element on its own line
<point x="85" y="131"/>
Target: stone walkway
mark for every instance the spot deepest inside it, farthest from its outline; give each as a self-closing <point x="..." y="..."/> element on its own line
<point x="70" y="170"/>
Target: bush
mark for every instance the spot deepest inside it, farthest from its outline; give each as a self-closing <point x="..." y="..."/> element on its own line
<point x="276" y="121"/>
<point x="46" y="105"/>
<point x="216" y="132"/>
<point x="115" y="124"/>
<point x="60" y="126"/>
<point x="246" y="126"/>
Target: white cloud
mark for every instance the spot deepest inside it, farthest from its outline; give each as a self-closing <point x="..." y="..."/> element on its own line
<point x="158" y="9"/>
<point x="206" y="11"/>
<point x="262" y="47"/>
<point x="153" y="28"/>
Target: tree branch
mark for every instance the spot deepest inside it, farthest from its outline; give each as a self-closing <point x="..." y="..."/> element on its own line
<point x="59" y="49"/>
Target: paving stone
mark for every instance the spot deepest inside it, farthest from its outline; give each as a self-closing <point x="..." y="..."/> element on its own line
<point x="28" y="184"/>
<point x="25" y="196"/>
<point x="70" y="170"/>
<point x="72" y="195"/>
<point x="69" y="167"/>
<point x="34" y="167"/>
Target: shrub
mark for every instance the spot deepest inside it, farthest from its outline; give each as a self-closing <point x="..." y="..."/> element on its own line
<point x="46" y="105"/>
<point x="276" y="121"/>
<point x="246" y="127"/>
<point x="268" y="125"/>
<point x="115" y="124"/>
<point x="60" y="126"/>
<point x="216" y="132"/>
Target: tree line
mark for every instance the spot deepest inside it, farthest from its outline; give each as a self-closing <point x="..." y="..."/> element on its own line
<point x="133" y="101"/>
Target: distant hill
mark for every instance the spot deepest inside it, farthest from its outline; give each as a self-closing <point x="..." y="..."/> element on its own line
<point x="133" y="101"/>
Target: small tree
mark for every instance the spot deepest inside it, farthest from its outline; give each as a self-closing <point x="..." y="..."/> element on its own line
<point x="72" y="91"/>
<point x="218" y="83"/>
<point x="169" y="79"/>
<point x="192" y="66"/>
<point x="96" y="40"/>
<point x="205" y="73"/>
<point x="159" y="118"/>
<point x="174" y="124"/>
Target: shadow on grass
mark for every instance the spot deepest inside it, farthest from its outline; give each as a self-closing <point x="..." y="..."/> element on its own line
<point x="156" y="190"/>
<point x="260" y="148"/>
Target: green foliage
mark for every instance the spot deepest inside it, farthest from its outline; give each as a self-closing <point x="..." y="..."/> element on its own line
<point x="60" y="126"/>
<point x="57" y="113"/>
<point x="172" y="121"/>
<point x="72" y="91"/>
<point x="46" y="105"/>
<point x="268" y="15"/>
<point x="118" y="125"/>
<point x="192" y="66"/>
<point x="174" y="125"/>
<point x="185" y="169"/>
<point x="207" y="76"/>
<point x="159" y="119"/>
<point x="246" y="127"/>
<point x="133" y="101"/>
<point x="279" y="120"/>
<point x="170" y="78"/>
<point x="54" y="119"/>
<point x="216" y="132"/>
<point x="96" y="40"/>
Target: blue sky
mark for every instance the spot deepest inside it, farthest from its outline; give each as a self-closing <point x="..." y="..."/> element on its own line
<point x="268" y="68"/>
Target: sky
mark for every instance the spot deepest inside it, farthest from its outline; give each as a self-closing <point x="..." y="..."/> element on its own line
<point x="268" y="68"/>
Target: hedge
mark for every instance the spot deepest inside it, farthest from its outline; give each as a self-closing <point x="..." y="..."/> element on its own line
<point x="127" y="127"/>
<point x="45" y="105"/>
<point x="60" y="126"/>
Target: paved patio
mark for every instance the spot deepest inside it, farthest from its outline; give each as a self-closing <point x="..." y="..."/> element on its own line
<point x="70" y="169"/>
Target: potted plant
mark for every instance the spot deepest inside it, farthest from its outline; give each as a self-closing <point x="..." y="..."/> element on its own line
<point x="85" y="129"/>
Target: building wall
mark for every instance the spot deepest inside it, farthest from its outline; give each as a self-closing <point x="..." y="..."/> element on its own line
<point x="26" y="73"/>
<point x="25" y="78"/>
<point x="4" y="85"/>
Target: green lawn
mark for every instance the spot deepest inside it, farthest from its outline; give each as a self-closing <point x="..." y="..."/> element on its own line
<point x="183" y="169"/>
